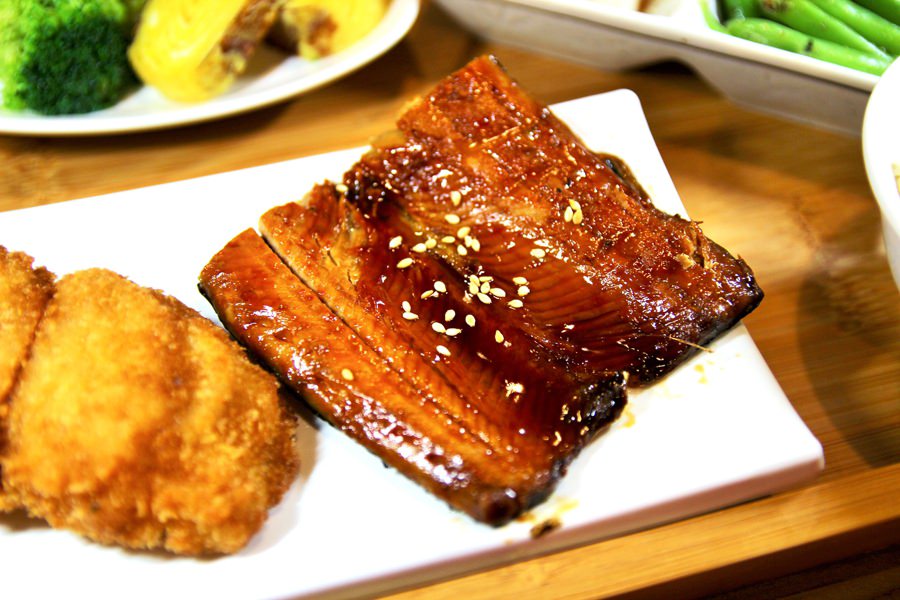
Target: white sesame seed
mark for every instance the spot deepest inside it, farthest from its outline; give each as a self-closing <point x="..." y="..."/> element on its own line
<point x="484" y="298"/>
<point x="485" y="287"/>
<point x="568" y="214"/>
<point x="461" y="250"/>
<point x="395" y="242"/>
<point x="476" y="245"/>
<point x="410" y="316"/>
<point x="440" y="286"/>
<point x="516" y="303"/>
<point x="473" y="279"/>
<point x="519" y="281"/>
<point x="463" y="232"/>
<point x="427" y="294"/>
<point x="452" y="219"/>
<point x="514" y="387"/>
<point x="470" y="320"/>
<point x="406" y="306"/>
<point x="443" y="350"/>
<point x="420" y="247"/>
<point x="448" y="316"/>
<point x="430" y="243"/>
<point x="438" y="327"/>
<point x="498" y="337"/>
<point x="538" y="253"/>
<point x="578" y="217"/>
<point x="523" y="290"/>
<point x="448" y="239"/>
<point x="347" y="374"/>
<point x="473" y="288"/>
<point x="455" y="197"/>
<point x="684" y="260"/>
<point x="468" y="241"/>
<point x="404" y="263"/>
<point x="485" y="278"/>
<point x="341" y="188"/>
<point x="574" y="205"/>
<point x="498" y="293"/>
<point x="453" y="331"/>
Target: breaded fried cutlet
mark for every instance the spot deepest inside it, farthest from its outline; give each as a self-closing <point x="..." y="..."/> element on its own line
<point x="24" y="292"/>
<point x="138" y="422"/>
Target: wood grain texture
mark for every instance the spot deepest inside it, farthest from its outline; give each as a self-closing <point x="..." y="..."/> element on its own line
<point x="757" y="540"/>
<point x="793" y="201"/>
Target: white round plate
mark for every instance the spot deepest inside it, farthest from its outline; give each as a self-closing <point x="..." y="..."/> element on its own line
<point x="274" y="76"/>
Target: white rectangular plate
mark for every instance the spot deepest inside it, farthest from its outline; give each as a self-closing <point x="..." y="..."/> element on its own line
<point x="717" y="431"/>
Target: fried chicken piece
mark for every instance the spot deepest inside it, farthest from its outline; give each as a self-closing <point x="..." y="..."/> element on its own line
<point x="24" y="292"/>
<point x="138" y="422"/>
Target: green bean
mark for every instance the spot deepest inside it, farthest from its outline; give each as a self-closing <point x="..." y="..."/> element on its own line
<point x="785" y="38"/>
<point x="806" y="17"/>
<point x="712" y="20"/>
<point x="738" y="9"/>
<point x="889" y="9"/>
<point x="877" y="30"/>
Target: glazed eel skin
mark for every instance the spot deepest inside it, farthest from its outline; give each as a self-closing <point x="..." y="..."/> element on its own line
<point x="491" y="461"/>
<point x="614" y="284"/>
<point x="471" y="300"/>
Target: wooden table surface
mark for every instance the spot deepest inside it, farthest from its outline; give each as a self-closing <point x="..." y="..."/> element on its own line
<point x="793" y="201"/>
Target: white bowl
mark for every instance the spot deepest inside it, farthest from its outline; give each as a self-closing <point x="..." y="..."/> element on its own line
<point x="753" y="75"/>
<point x="881" y="150"/>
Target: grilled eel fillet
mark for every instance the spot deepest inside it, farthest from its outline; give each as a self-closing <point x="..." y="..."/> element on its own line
<point x="615" y="285"/>
<point x="497" y="282"/>
<point x="490" y="457"/>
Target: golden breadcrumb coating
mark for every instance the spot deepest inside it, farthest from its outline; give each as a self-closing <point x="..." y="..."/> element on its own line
<point x="24" y="292"/>
<point x="138" y="422"/>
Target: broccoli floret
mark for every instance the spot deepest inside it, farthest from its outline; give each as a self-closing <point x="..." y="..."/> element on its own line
<point x="65" y="56"/>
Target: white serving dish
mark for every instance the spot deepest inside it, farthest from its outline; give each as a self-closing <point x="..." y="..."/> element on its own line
<point x="717" y="431"/>
<point x="881" y="151"/>
<point x="608" y="37"/>
<point x="272" y="76"/>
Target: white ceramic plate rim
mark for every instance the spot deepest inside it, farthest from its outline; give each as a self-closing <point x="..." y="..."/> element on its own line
<point x="693" y="31"/>
<point x="292" y="76"/>
<point x="881" y="143"/>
